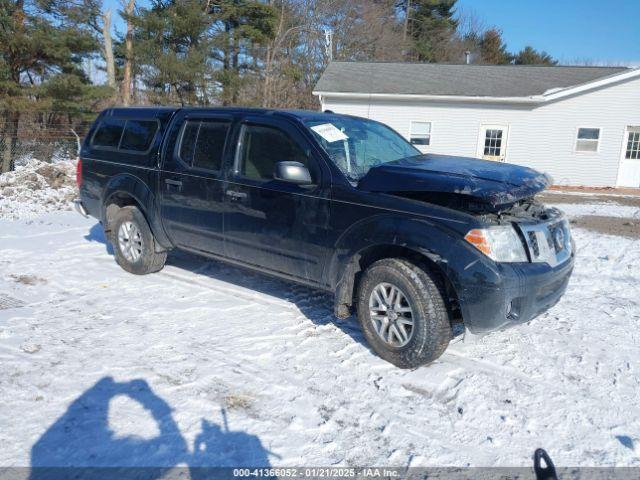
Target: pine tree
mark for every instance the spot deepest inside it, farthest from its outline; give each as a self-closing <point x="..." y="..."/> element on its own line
<point x="430" y="24"/>
<point x="42" y="47"/>
<point x="493" y="51"/>
<point x="172" y="44"/>
<point x="244" y="23"/>
<point x="530" y="56"/>
<point x="197" y="51"/>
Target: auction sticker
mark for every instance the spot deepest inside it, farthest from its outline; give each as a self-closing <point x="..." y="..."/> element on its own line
<point x="329" y="132"/>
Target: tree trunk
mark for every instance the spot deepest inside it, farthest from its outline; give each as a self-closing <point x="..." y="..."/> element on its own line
<point x="406" y="30"/>
<point x="405" y="27"/>
<point x="10" y="139"/>
<point x="270" y="56"/>
<point x="128" y="51"/>
<point x="226" y="64"/>
<point x="236" y="71"/>
<point x="108" y="49"/>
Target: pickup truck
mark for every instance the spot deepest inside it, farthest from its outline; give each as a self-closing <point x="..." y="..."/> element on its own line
<point x="413" y="243"/>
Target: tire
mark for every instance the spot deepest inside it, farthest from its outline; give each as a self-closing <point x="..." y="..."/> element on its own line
<point x="424" y="306"/>
<point x="142" y="257"/>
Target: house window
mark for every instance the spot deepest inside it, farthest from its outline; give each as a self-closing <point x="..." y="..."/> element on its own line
<point x="633" y="145"/>
<point x="588" y="139"/>
<point x="493" y="142"/>
<point x="420" y="133"/>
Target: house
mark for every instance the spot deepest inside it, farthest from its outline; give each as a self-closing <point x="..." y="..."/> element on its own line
<point x="580" y="124"/>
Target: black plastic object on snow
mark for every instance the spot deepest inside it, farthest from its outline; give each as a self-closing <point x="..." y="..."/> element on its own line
<point x="546" y="472"/>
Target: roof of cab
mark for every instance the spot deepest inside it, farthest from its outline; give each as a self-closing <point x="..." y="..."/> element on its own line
<point x="145" y="112"/>
<point x="256" y="111"/>
<point x="155" y="112"/>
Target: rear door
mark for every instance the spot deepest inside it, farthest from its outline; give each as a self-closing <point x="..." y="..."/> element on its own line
<point x="274" y="225"/>
<point x="629" y="172"/>
<point x="191" y="183"/>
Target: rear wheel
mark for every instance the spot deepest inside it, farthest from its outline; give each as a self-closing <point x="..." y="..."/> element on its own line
<point x="133" y="243"/>
<point x="403" y="313"/>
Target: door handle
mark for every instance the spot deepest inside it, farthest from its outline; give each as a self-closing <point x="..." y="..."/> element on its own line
<point x="235" y="195"/>
<point x="173" y="183"/>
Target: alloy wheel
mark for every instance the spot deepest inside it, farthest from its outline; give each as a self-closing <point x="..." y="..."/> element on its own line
<point x="391" y="314"/>
<point x="130" y="241"/>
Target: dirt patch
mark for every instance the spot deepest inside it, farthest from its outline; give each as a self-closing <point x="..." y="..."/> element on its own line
<point x="626" y="201"/>
<point x="28" y="279"/>
<point x="622" y="227"/>
<point x="238" y="402"/>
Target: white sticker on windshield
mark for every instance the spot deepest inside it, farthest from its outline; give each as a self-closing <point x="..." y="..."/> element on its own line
<point x="329" y="132"/>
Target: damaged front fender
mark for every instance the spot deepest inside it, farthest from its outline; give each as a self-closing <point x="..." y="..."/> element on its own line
<point x="391" y="235"/>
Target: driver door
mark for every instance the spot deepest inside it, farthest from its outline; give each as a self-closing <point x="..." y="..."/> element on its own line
<point x="271" y="224"/>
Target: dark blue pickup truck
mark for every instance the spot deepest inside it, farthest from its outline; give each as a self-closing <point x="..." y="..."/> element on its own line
<point x="411" y="242"/>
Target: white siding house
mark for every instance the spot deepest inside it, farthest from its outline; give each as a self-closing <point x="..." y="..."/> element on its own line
<point x="580" y="124"/>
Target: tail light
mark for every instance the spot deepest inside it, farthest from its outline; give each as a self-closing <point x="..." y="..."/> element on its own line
<point x="79" y="172"/>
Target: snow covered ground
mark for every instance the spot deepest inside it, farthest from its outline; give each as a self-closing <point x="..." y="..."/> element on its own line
<point x="205" y="364"/>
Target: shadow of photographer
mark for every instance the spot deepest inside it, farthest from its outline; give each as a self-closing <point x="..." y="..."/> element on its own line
<point x="81" y="444"/>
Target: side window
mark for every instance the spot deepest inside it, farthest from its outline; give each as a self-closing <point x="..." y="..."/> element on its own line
<point x="262" y="148"/>
<point x="138" y="135"/>
<point x="108" y="133"/>
<point x="210" y="145"/>
<point x="202" y="143"/>
<point x="188" y="141"/>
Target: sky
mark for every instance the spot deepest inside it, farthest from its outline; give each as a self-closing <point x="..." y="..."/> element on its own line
<point x="601" y="31"/>
<point x="604" y="32"/>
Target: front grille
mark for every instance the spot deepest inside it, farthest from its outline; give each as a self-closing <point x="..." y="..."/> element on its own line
<point x="548" y="242"/>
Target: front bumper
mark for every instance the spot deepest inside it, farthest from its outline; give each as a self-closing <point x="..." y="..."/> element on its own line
<point x="524" y="291"/>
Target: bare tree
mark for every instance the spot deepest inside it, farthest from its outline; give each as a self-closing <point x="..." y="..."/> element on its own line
<point x="107" y="48"/>
<point x="128" y="52"/>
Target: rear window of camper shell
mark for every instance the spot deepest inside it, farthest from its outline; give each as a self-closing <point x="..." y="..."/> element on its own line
<point x="125" y="134"/>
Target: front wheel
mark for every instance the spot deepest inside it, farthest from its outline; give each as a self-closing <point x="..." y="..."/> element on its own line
<point x="403" y="313"/>
<point x="133" y="243"/>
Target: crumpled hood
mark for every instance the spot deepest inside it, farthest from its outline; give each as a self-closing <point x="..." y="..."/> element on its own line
<point x="482" y="181"/>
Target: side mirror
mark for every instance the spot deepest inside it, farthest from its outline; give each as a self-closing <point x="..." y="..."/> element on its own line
<point x="292" y="172"/>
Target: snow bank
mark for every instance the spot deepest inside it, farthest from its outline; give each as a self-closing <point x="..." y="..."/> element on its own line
<point x="36" y="188"/>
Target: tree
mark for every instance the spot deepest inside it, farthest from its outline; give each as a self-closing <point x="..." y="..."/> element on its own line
<point x="200" y="51"/>
<point x="42" y="49"/>
<point x="493" y="51"/>
<point x="430" y="24"/>
<point x="108" y="49"/>
<point x="244" y="23"/>
<point x="128" y="15"/>
<point x="530" y="56"/>
<point x="100" y="22"/>
<point x="173" y="44"/>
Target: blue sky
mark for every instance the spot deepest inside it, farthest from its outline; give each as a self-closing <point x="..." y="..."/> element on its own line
<point x="600" y="31"/>
<point x="603" y="31"/>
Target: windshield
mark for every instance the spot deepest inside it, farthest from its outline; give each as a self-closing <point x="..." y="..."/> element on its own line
<point x="356" y="145"/>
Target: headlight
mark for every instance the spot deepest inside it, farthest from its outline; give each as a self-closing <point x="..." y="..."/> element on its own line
<point x="500" y="243"/>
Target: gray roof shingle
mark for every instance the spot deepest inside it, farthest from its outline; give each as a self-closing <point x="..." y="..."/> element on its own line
<point x="455" y="80"/>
